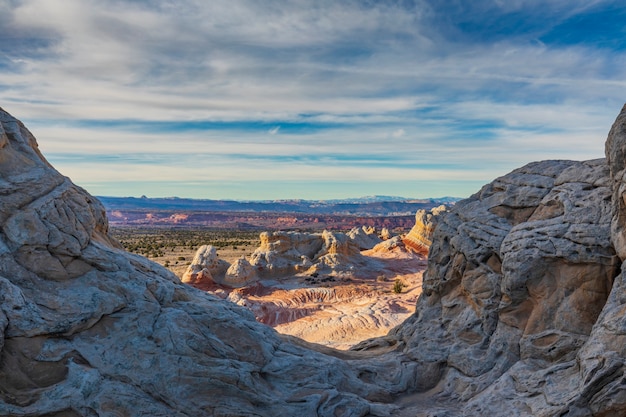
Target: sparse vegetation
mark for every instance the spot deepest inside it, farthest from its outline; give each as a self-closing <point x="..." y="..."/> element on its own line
<point x="398" y="286"/>
<point x="175" y="247"/>
<point x="156" y="241"/>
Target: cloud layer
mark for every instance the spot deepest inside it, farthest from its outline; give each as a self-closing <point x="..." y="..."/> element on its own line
<point x="300" y="99"/>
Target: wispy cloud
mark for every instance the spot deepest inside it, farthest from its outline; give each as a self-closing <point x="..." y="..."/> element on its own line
<point x="229" y="90"/>
<point x="274" y="130"/>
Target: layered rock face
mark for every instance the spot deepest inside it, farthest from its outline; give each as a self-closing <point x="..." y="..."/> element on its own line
<point x="522" y="312"/>
<point x="420" y="236"/>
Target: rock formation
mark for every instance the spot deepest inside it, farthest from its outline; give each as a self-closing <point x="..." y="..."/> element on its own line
<point x="287" y="253"/>
<point x="365" y="237"/>
<point x="522" y="312"/>
<point x="240" y="274"/>
<point x="385" y="234"/>
<point x="339" y="305"/>
<point x="206" y="269"/>
<point x="419" y="237"/>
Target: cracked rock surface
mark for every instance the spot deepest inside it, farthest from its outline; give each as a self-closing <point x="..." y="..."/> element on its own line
<point x="523" y="311"/>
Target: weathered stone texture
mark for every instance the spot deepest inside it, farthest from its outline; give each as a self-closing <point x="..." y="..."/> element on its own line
<point x="420" y="236"/>
<point x="522" y="313"/>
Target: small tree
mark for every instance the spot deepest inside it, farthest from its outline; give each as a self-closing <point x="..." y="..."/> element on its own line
<point x="397" y="286"/>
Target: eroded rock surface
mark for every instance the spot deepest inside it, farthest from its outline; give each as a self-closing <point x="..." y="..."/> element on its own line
<point x="420" y="236"/>
<point x="282" y="254"/>
<point x="206" y="269"/>
<point x="87" y="329"/>
<point x="522" y="312"/>
<point x="366" y="237"/>
<point x="518" y="276"/>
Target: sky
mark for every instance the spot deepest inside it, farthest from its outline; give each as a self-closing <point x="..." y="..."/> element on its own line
<point x="251" y="100"/>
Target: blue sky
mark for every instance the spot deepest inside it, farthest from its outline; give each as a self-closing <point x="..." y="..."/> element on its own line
<point x="310" y="99"/>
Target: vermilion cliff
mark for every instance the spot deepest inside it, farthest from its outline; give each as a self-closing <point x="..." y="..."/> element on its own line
<point x="523" y="311"/>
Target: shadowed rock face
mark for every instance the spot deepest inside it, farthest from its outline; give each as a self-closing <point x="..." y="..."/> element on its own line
<point x="522" y="313"/>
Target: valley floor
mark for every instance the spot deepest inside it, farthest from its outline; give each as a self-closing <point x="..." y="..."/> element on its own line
<point x="337" y="311"/>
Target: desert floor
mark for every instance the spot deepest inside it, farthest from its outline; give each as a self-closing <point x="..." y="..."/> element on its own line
<point x="336" y="311"/>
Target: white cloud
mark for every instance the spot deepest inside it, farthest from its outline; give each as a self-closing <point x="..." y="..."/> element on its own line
<point x="351" y="75"/>
<point x="398" y="133"/>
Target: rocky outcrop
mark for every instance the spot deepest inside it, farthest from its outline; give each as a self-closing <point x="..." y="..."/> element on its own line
<point x="522" y="311"/>
<point x="365" y="237"/>
<point x="206" y="269"/>
<point x="419" y="237"/>
<point x="240" y="274"/>
<point x="515" y="295"/>
<point x="283" y="254"/>
<point x="87" y="329"/>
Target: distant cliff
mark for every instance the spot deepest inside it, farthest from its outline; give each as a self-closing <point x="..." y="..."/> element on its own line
<point x="366" y="206"/>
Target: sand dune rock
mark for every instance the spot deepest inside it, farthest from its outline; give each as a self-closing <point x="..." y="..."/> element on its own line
<point x="365" y="237"/>
<point x="522" y="311"/>
<point x="284" y="254"/>
<point x="240" y="273"/>
<point x="419" y="237"/>
<point x="206" y="269"/>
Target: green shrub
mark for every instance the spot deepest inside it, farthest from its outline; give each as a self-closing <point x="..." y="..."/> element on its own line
<point x="398" y="286"/>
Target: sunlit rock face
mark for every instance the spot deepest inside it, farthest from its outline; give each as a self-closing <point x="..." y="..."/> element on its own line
<point x="366" y="238"/>
<point x="206" y="269"/>
<point x="522" y="311"/>
<point x="283" y="254"/>
<point x="420" y="236"/>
